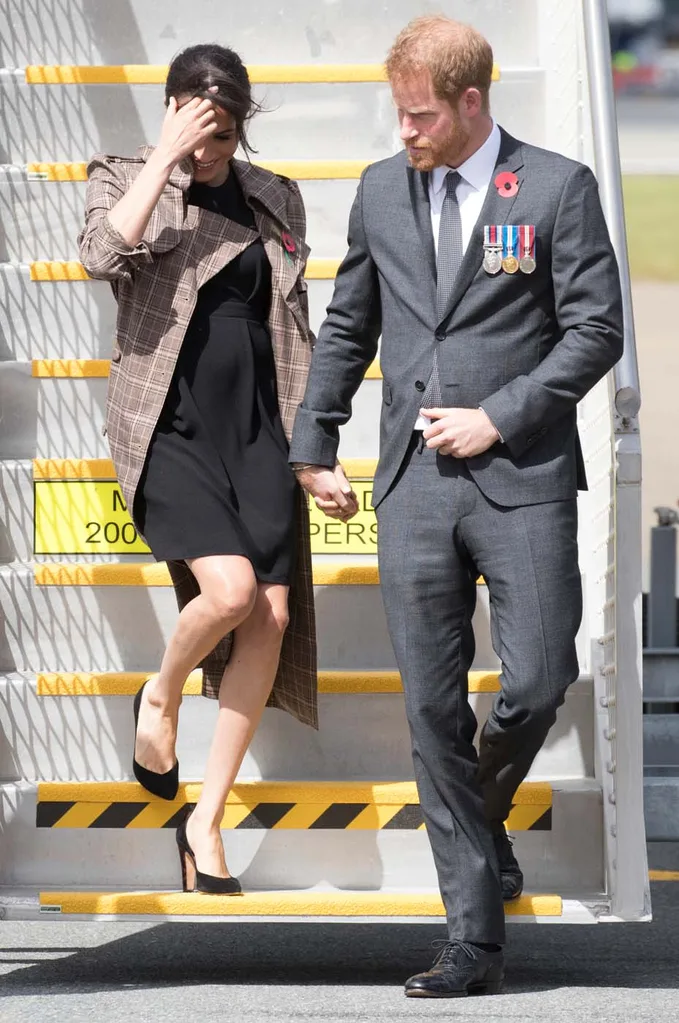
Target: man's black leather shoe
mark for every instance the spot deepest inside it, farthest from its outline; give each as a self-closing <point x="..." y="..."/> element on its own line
<point x="511" y="877"/>
<point x="459" y="969"/>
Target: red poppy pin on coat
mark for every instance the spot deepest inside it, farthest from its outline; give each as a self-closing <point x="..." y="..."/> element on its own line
<point x="507" y="185"/>
<point x="289" y="245"/>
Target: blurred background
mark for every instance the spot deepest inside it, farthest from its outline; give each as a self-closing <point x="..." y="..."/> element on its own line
<point x="645" y="45"/>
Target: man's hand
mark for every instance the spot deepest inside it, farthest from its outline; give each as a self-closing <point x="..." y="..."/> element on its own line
<point x="460" y="432"/>
<point x="330" y="489"/>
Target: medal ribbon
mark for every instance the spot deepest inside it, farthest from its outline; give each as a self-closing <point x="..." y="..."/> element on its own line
<point x="490" y="236"/>
<point x="527" y="239"/>
<point x="510" y="237"/>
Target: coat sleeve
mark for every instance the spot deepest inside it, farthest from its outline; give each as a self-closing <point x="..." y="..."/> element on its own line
<point x="104" y="252"/>
<point x="346" y="345"/>
<point x="588" y="307"/>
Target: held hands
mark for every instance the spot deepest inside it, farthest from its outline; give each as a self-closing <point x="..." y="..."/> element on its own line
<point x="460" y="432"/>
<point x="330" y="489"/>
<point x="185" y="128"/>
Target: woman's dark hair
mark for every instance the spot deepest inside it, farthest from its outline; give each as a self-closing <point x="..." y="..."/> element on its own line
<point x="198" y="68"/>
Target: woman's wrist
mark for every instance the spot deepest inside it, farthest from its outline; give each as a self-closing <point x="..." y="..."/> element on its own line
<point x="162" y="162"/>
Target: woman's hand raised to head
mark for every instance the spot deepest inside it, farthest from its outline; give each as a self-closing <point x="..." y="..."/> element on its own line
<point x="185" y="128"/>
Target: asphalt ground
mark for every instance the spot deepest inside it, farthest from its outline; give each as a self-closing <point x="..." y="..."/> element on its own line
<point x="274" y="973"/>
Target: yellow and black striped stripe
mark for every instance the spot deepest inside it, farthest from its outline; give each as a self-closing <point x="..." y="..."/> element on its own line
<point x="344" y="806"/>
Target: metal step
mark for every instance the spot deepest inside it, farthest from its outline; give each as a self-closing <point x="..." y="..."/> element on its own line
<point x="567" y="858"/>
<point x="362" y="734"/>
<point x="76" y="319"/>
<point x="113" y="628"/>
<point x="42" y="219"/>
<point x="320" y="905"/>
<point x="95" y="32"/>
<point x="46" y="418"/>
<point x="85" y="620"/>
<point x="71" y="122"/>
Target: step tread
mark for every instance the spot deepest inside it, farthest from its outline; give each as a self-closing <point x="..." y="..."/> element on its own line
<point x="325" y="573"/>
<point x="307" y="903"/>
<point x="127" y="683"/>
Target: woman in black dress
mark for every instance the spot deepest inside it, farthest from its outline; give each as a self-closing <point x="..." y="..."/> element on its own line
<point x="215" y="492"/>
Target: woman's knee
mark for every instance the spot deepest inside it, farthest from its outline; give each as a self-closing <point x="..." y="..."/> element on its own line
<point x="232" y="601"/>
<point x="270" y="617"/>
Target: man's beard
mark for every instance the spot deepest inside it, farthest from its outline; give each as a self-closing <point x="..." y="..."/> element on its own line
<point x="427" y="154"/>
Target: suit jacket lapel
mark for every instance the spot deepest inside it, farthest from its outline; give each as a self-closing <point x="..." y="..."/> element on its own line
<point x="418" y="185"/>
<point x="495" y="210"/>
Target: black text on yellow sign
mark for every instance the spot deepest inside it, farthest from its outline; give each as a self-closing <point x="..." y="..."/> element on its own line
<point x="83" y="517"/>
<point x="91" y="517"/>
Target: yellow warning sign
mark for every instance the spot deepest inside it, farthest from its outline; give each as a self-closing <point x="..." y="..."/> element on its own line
<point x="83" y="517"/>
<point x="91" y="517"/>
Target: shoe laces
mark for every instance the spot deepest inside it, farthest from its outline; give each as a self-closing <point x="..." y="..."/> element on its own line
<point x="450" y="951"/>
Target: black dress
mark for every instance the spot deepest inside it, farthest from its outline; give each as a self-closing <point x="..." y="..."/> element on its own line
<point x="216" y="478"/>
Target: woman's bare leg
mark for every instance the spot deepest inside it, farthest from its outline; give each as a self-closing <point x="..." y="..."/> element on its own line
<point x="228" y="590"/>
<point x="244" y="690"/>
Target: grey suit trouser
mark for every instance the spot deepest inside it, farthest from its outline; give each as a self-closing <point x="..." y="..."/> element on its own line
<point x="437" y="534"/>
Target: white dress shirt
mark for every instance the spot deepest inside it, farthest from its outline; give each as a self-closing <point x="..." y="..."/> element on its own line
<point x="476" y="174"/>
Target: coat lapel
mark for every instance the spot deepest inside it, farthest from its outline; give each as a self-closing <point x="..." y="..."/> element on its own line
<point x="267" y="196"/>
<point x="495" y="210"/>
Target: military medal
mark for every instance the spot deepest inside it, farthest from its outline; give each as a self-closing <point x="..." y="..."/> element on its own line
<point x="492" y="249"/>
<point x="527" y="262"/>
<point x="510" y="263"/>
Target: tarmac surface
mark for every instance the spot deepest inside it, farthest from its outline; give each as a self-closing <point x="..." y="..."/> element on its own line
<point x="275" y="973"/>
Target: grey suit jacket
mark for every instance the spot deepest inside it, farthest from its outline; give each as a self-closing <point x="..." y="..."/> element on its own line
<point x="525" y="347"/>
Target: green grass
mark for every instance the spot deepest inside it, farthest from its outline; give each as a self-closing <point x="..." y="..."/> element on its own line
<point x="652" y="217"/>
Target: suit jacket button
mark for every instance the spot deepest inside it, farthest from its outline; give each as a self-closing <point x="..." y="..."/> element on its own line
<point x="419" y="386"/>
<point x="440" y="336"/>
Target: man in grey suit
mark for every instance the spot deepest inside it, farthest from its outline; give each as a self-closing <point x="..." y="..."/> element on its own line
<point x="486" y="266"/>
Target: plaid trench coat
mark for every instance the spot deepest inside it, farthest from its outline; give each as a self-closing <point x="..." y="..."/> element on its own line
<point x="156" y="284"/>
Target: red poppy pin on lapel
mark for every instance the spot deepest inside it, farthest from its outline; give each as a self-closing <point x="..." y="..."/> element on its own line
<point x="507" y="185"/>
<point x="289" y="245"/>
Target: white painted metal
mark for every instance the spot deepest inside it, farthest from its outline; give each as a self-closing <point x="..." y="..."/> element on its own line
<point x="361" y="736"/>
<point x="107" y="858"/>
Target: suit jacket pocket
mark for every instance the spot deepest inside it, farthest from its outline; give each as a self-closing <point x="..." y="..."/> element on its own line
<point x="386" y="393"/>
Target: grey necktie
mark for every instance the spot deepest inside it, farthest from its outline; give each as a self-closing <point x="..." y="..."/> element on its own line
<point x="448" y="260"/>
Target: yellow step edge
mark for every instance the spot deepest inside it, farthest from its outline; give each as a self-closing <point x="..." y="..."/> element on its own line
<point x="81" y="368"/>
<point x="275" y="904"/>
<point x="44" y="271"/>
<point x="71" y="368"/>
<point x="102" y="468"/>
<point x="663" y="875"/>
<point x="330" y="682"/>
<point x="155" y="74"/>
<point x="298" y="170"/>
<point x="529" y="794"/>
<point x="156" y="574"/>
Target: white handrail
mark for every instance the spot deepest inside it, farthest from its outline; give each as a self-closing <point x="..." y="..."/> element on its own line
<point x="607" y="156"/>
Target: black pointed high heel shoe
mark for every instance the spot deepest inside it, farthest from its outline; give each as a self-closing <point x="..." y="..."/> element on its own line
<point x="192" y="879"/>
<point x="163" y="785"/>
